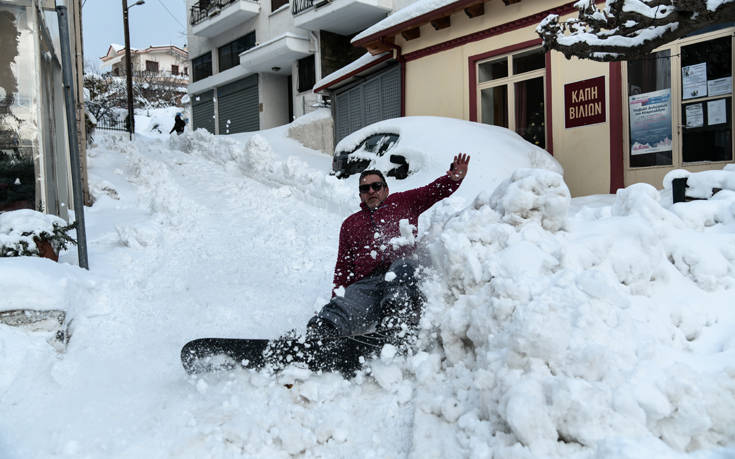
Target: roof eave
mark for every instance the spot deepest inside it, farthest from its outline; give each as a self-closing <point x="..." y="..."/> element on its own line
<point x="374" y="40"/>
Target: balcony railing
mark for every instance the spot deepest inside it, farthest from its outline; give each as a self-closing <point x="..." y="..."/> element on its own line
<point x="206" y="8"/>
<point x="299" y="6"/>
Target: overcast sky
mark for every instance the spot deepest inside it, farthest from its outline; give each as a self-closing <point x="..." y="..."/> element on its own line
<point x="157" y="22"/>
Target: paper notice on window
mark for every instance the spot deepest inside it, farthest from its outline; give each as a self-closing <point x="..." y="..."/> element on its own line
<point x="694" y="81"/>
<point x="695" y="115"/>
<point x="720" y="86"/>
<point x="716" y="112"/>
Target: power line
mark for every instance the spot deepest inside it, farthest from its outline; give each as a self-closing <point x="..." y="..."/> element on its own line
<point x="171" y="14"/>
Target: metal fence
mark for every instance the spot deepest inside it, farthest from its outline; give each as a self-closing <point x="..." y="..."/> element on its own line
<point x="110" y="124"/>
<point x="202" y="9"/>
<point x="299" y="6"/>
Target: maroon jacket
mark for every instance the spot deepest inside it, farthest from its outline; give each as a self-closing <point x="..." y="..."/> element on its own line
<point x="364" y="245"/>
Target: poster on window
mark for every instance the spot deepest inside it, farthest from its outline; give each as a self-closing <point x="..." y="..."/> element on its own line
<point x="694" y="116"/>
<point x="716" y="112"/>
<point x="719" y="87"/>
<point x="694" y="81"/>
<point x="650" y="122"/>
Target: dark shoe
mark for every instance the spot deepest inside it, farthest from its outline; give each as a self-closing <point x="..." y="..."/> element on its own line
<point x="320" y="328"/>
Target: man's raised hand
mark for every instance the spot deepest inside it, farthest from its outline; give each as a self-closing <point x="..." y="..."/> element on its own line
<point x="458" y="168"/>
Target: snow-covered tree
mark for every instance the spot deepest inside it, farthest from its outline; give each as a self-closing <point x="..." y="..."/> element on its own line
<point x="625" y="29"/>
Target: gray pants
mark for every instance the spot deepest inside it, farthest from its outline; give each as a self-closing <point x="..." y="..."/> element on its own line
<point x="369" y="300"/>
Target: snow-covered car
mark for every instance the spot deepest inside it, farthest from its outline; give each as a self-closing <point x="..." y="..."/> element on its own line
<point x="348" y="162"/>
<point x="419" y="148"/>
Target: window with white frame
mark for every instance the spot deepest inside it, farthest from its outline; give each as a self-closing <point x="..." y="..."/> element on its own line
<point x="680" y="103"/>
<point x="511" y="93"/>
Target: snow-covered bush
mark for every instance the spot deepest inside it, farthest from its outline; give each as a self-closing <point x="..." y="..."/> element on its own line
<point x="106" y="95"/>
<point x="22" y="230"/>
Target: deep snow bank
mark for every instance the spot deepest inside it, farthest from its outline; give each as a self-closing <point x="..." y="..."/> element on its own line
<point x="603" y="335"/>
<point x="606" y="333"/>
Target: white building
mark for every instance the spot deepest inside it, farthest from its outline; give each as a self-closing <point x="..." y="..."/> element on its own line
<point x="254" y="65"/>
<point x="164" y="60"/>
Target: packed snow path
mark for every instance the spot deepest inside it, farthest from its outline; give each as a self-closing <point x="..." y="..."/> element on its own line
<point x="219" y="254"/>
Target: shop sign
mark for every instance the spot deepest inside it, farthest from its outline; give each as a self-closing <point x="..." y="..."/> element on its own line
<point x="584" y="102"/>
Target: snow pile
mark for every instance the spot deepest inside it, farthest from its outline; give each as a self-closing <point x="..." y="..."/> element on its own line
<point x="532" y="195"/>
<point x="552" y="343"/>
<point x="256" y="158"/>
<point x="702" y="184"/>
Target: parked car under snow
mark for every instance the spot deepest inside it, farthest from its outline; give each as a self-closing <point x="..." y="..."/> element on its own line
<point x="425" y="145"/>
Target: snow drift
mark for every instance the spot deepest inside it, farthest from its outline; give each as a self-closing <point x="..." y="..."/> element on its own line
<point x="554" y="327"/>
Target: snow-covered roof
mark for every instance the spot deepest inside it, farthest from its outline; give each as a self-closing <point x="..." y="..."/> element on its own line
<point x="360" y="64"/>
<point x="407" y="15"/>
<point x="119" y="50"/>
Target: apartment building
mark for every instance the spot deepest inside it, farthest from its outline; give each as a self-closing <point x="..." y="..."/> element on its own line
<point x="254" y="64"/>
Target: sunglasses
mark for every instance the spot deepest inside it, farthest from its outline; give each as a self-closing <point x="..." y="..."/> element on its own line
<point x="376" y="186"/>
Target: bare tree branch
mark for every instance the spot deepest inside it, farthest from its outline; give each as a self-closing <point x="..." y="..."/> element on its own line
<point x="626" y="29"/>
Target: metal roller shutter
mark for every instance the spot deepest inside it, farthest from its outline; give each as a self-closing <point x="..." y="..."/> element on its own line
<point x="202" y="111"/>
<point x="390" y="84"/>
<point x="238" y="106"/>
<point x="342" y="116"/>
<point x="377" y="98"/>
<point x="371" y="92"/>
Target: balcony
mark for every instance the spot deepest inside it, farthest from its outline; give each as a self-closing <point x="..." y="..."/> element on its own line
<point x="277" y="55"/>
<point x="210" y="18"/>
<point x="344" y="17"/>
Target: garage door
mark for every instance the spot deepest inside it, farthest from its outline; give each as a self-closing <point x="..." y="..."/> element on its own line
<point x="238" y="106"/>
<point x="202" y="111"/>
<point x="377" y="98"/>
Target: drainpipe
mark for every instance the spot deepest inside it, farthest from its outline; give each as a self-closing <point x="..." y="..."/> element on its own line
<point x="398" y="55"/>
<point x="71" y="127"/>
<point x="317" y="64"/>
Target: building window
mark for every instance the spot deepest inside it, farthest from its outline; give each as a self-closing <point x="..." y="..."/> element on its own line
<point x="201" y="67"/>
<point x="186" y="71"/>
<point x="275" y="4"/>
<point x="151" y="66"/>
<point x="229" y="54"/>
<point x="307" y="73"/>
<point x="680" y="103"/>
<point x="649" y="107"/>
<point x="174" y="70"/>
<point x="511" y="93"/>
<point x="706" y="73"/>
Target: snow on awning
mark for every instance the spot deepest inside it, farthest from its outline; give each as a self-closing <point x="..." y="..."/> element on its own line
<point x="413" y="15"/>
<point x="362" y="64"/>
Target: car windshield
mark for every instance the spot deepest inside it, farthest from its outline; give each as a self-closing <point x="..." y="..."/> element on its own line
<point x="378" y="143"/>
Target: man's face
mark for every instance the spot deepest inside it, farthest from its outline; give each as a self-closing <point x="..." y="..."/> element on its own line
<point x="368" y="193"/>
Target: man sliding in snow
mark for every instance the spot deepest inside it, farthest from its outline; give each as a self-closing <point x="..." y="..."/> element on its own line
<point x="375" y="279"/>
<point x="374" y="285"/>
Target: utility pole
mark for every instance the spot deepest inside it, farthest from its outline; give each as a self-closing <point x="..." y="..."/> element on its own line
<point x="72" y="134"/>
<point x="129" y="66"/>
